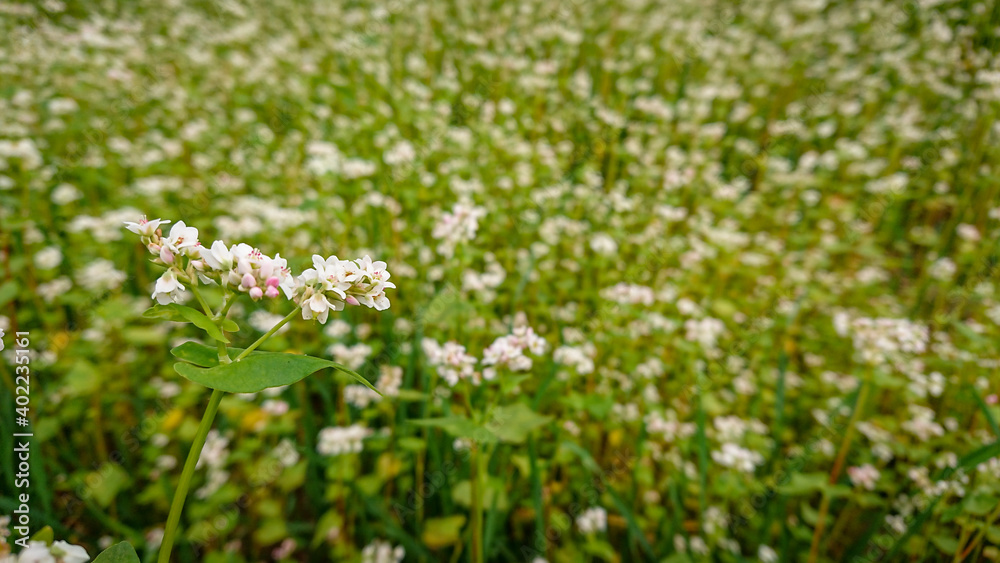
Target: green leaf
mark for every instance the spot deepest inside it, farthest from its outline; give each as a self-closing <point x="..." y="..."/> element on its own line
<point x="513" y="423"/>
<point x="804" y="484"/>
<point x="441" y="532"/>
<point x="118" y="553"/>
<point x="980" y="504"/>
<point x="459" y="427"/>
<point x="180" y="313"/>
<point x="230" y="326"/>
<point x="260" y="371"/>
<point x="202" y="355"/>
<point x="946" y="544"/>
<point x="45" y="534"/>
<point x="8" y="291"/>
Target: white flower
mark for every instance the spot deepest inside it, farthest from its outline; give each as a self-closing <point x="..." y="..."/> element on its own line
<point x="336" y="440"/>
<point x="219" y="257"/>
<point x="593" y="520"/>
<point x="168" y="289"/>
<point x="181" y="240"/>
<point x="766" y="554"/>
<point x="732" y="455"/>
<point x="37" y="552"/>
<point x="58" y="552"/>
<point x="147" y="228"/>
<point x="318" y="306"/>
<point x="100" y="275"/>
<point x="864" y="476"/>
<point x="48" y="258"/>
<point x="459" y="225"/>
<point x="382" y="552"/>
<point x="69" y="553"/>
<point x="333" y="283"/>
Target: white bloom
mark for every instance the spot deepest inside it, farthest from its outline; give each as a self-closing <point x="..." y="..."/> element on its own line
<point x="382" y="552"/>
<point x="337" y="440"/>
<point x="593" y="520"/>
<point x="458" y="226"/>
<point x="864" y="476"/>
<point x="145" y="227"/>
<point x="732" y="455"/>
<point x="37" y="552"/>
<point x="100" y="275"/>
<point x="48" y="258"/>
<point x="181" y="240"/>
<point x="169" y="289"/>
<point x="451" y="361"/>
<point x="219" y="257"/>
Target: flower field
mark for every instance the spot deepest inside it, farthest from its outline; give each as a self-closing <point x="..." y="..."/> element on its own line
<point x="579" y="280"/>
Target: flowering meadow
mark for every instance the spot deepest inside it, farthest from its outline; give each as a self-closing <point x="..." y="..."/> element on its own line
<point x="539" y="281"/>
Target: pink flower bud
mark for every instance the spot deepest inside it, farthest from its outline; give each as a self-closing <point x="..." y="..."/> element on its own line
<point x="271" y="292"/>
<point x="273" y="281"/>
<point x="248" y="281"/>
<point x="153" y="248"/>
<point x="256" y="293"/>
<point x="351" y="300"/>
<point x="166" y="255"/>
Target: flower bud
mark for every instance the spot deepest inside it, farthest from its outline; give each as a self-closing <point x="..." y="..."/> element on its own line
<point x="248" y="281"/>
<point x="166" y="255"/>
<point x="351" y="300"/>
<point x="256" y="293"/>
<point x="273" y="281"/>
<point x="153" y="248"/>
<point x="271" y="292"/>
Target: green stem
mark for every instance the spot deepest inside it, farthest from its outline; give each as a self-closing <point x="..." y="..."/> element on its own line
<point x="201" y="300"/>
<point x="477" y="505"/>
<point x="838" y="465"/>
<point x="180" y="495"/>
<point x="268" y="334"/>
<point x="227" y="302"/>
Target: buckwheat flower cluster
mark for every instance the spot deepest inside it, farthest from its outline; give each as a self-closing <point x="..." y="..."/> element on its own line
<point x="246" y="269"/>
<point x="742" y="459"/>
<point x="629" y="294"/>
<point x="458" y="226"/>
<point x="881" y="340"/>
<point x="333" y="283"/>
<point x="580" y="358"/>
<point x="508" y="351"/>
<point x="58" y="552"/>
<point x="704" y="331"/>
<point x="380" y="551"/>
<point x="863" y="476"/>
<point x="451" y="361"/>
<point x="592" y="520"/>
<point x="338" y="440"/>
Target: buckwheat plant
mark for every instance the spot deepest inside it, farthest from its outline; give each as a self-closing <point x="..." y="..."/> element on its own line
<point x="243" y="271"/>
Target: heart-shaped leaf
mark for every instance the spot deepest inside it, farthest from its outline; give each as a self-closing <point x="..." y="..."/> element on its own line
<point x="180" y="313"/>
<point x="118" y="553"/>
<point x="260" y="371"/>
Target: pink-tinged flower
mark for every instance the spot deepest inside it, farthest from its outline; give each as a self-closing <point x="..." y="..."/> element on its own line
<point x="182" y="239"/>
<point x="144" y="227"/>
